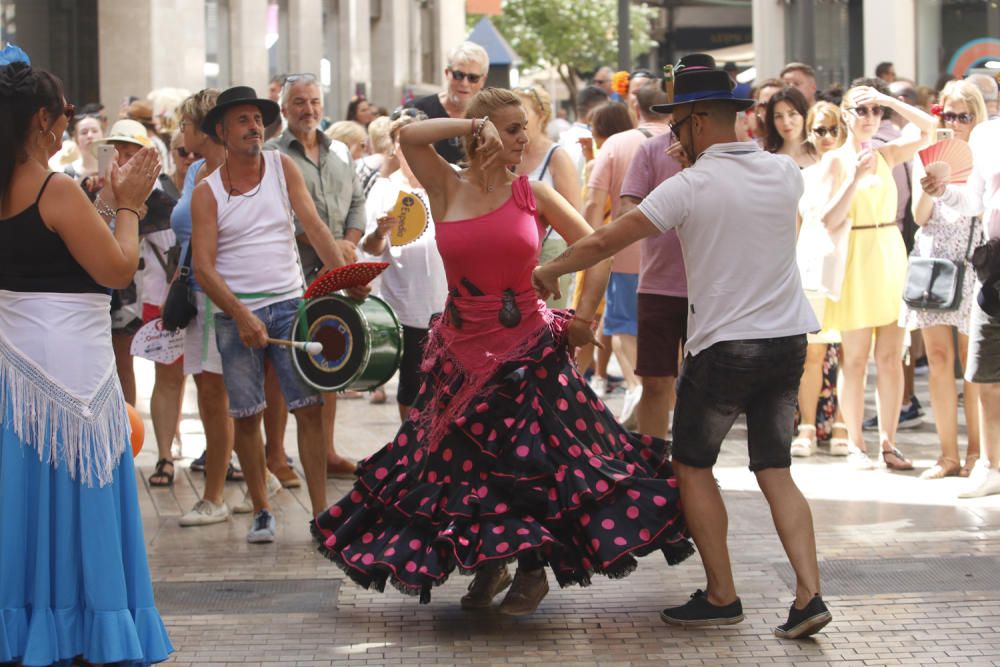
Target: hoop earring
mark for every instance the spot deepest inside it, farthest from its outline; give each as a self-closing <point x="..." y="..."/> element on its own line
<point x="55" y="139"/>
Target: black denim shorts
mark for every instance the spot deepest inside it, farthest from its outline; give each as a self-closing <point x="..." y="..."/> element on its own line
<point x="757" y="377"/>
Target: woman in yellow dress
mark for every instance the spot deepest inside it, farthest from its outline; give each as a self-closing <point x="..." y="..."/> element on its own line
<point x="861" y="203"/>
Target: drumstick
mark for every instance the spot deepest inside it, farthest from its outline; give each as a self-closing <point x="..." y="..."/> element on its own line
<point x="310" y="348"/>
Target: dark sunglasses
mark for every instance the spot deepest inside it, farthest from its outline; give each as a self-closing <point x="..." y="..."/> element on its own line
<point x="459" y="75"/>
<point x="821" y="131"/>
<point x="184" y="153"/>
<point x="862" y="112"/>
<point x="407" y="112"/>
<point x="675" y="127"/>
<point x="69" y="110"/>
<point x="963" y="118"/>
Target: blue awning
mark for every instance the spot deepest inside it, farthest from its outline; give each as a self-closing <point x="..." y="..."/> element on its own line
<point x="486" y="35"/>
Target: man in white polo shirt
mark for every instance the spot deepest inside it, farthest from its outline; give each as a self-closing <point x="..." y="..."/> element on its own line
<point x="734" y="211"/>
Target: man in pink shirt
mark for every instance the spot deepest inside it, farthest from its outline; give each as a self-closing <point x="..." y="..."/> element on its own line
<point x="606" y="178"/>
<point x="662" y="292"/>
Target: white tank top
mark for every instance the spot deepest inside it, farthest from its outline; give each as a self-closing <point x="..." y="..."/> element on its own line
<point x="256" y="251"/>
<point x="544" y="174"/>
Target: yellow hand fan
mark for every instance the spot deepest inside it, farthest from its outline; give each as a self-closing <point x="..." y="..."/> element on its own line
<point x="949" y="161"/>
<point x="412" y="219"/>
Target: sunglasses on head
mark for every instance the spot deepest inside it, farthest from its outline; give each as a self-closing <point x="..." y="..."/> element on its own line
<point x="184" y="153"/>
<point x="862" y="112"/>
<point x="305" y="76"/>
<point x="821" y="131"/>
<point x="534" y="94"/>
<point x="69" y="110"/>
<point x="963" y="118"/>
<point x="459" y="75"/>
<point x="406" y="112"/>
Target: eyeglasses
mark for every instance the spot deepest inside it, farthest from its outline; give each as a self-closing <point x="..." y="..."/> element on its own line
<point x="675" y="127"/>
<point x="185" y="153"/>
<point x="407" y="112"/>
<point x="962" y="118"/>
<point x="305" y="76"/>
<point x="459" y="75"/>
<point x="821" y="131"/>
<point x="68" y="111"/>
<point x="862" y="112"/>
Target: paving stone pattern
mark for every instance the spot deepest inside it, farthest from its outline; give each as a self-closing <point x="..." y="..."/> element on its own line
<point x="896" y="551"/>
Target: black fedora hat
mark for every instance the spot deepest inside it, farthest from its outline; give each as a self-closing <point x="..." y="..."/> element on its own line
<point x="236" y="96"/>
<point x="697" y="79"/>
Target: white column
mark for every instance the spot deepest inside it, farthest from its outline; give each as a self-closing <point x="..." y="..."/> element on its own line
<point x="890" y="26"/>
<point x="768" y="38"/>
<point x="305" y="32"/>
<point x="450" y="31"/>
<point x="125" y="31"/>
<point x="354" y="52"/>
<point x="178" y="44"/>
<point x="248" y="26"/>
<point x="390" y="38"/>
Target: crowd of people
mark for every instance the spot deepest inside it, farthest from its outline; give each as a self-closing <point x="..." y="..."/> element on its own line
<point x="736" y="251"/>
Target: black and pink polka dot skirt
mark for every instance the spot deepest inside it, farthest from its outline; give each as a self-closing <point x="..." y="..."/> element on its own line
<point x="536" y="465"/>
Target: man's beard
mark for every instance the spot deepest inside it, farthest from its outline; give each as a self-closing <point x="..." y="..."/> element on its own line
<point x="254" y="150"/>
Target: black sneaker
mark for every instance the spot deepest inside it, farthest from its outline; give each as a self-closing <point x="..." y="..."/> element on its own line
<point x="699" y="611"/>
<point x="910" y="416"/>
<point x="805" y="622"/>
<point x="199" y="463"/>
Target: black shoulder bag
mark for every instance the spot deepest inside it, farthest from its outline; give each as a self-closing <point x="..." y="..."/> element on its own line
<point x="936" y="284"/>
<point x="180" y="306"/>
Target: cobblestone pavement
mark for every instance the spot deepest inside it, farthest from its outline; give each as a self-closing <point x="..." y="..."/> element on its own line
<point x="911" y="573"/>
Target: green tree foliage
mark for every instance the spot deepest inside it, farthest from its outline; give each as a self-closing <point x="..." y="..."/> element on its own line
<point x="571" y="35"/>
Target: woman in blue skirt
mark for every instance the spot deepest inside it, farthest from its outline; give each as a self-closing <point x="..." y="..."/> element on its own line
<point x="74" y="582"/>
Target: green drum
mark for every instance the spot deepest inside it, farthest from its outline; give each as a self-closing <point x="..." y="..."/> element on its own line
<point x="362" y="343"/>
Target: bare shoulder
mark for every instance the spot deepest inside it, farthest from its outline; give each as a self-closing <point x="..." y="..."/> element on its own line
<point x="61" y="201"/>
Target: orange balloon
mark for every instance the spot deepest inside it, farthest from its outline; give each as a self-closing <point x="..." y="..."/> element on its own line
<point x="138" y="430"/>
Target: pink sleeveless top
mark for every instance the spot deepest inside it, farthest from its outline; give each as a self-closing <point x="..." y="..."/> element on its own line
<point x="494" y="251"/>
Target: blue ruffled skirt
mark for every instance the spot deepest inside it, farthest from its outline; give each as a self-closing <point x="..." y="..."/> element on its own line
<point x="74" y="580"/>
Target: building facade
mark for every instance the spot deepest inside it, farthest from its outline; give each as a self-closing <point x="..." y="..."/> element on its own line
<point x="844" y="39"/>
<point x="107" y="50"/>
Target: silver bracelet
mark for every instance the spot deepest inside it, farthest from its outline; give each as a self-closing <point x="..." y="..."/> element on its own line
<point x="103" y="208"/>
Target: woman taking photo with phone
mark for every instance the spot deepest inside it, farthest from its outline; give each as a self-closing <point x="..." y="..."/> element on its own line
<point x="858" y="198"/>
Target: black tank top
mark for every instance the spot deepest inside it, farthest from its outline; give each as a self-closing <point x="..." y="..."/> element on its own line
<point x="34" y="259"/>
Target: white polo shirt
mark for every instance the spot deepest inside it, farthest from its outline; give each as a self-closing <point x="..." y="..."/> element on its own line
<point x="734" y="212"/>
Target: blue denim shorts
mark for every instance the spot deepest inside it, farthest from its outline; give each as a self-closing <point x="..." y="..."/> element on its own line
<point x="621" y="311"/>
<point x="243" y="368"/>
<point x="757" y="377"/>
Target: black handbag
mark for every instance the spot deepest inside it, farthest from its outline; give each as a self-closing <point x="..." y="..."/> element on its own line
<point x="180" y="306"/>
<point x="936" y="284"/>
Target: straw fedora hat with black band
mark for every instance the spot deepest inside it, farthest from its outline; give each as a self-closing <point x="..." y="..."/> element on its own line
<point x="697" y="79"/>
<point x="237" y="96"/>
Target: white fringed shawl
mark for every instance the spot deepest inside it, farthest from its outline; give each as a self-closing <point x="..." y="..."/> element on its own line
<point x="58" y="383"/>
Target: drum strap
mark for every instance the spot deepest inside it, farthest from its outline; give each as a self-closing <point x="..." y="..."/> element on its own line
<point x="301" y="316"/>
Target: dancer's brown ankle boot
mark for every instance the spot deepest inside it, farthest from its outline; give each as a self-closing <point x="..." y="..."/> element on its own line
<point x="487" y="583"/>
<point x="525" y="594"/>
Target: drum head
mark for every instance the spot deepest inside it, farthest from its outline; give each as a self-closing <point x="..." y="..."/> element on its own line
<point x="338" y="324"/>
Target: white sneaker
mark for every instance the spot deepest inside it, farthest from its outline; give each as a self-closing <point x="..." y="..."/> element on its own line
<point x="205" y="513"/>
<point x="632" y="397"/>
<point x="859" y="459"/>
<point x="983" y="481"/>
<point x="599" y="385"/>
<point x="263" y="529"/>
<point x="245" y="506"/>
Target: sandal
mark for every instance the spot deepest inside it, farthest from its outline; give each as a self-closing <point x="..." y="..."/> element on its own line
<point x="944" y="467"/>
<point x="378" y="396"/>
<point x="160" y="476"/>
<point x="839" y="444"/>
<point x="970" y="462"/>
<point x="234" y="474"/>
<point x="894" y="460"/>
<point x="805" y="444"/>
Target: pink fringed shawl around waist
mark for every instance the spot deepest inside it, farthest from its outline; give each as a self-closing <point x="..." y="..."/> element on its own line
<point x="476" y="351"/>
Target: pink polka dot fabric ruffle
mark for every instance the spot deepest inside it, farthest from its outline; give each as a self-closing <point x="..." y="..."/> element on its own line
<point x="537" y="465"/>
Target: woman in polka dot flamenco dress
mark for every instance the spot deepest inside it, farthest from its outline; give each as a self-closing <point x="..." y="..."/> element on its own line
<point x="507" y="454"/>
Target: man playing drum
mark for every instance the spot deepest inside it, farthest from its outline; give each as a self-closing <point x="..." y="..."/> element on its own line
<point x="245" y="259"/>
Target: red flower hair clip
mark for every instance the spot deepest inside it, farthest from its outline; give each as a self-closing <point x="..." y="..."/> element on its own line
<point x="936" y="109"/>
